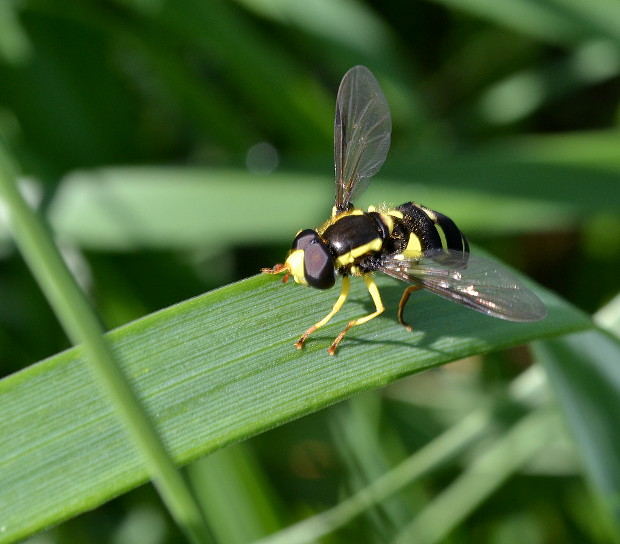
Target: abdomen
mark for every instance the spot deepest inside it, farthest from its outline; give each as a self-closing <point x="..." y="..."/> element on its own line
<point x="421" y="229"/>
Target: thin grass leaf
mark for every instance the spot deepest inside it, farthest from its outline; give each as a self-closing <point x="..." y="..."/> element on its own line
<point x="355" y="431"/>
<point x="599" y="18"/>
<point x="584" y="372"/>
<point x="472" y="428"/>
<point x="528" y="390"/>
<point x="351" y="24"/>
<point x="220" y="30"/>
<point x="233" y="476"/>
<point x="554" y="21"/>
<point x="214" y="370"/>
<point x="486" y="474"/>
<point x="524" y="92"/>
<point x="124" y="208"/>
<point x="84" y="329"/>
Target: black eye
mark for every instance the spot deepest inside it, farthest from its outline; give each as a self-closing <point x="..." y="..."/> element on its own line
<point x="304" y="239"/>
<point x="319" y="265"/>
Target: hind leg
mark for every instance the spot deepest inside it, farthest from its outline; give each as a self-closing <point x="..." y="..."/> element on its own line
<point x="403" y="301"/>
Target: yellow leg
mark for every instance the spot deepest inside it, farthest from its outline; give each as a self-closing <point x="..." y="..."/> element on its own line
<point x="344" y="293"/>
<point x="403" y="301"/>
<point x="376" y="298"/>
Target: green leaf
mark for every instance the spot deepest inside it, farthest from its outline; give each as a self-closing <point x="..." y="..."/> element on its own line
<point x="214" y="370"/>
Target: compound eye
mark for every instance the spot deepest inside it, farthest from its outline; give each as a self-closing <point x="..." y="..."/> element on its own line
<point x="304" y="239"/>
<point x="319" y="266"/>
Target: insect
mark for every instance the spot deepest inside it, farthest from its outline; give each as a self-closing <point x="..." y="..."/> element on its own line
<point x="410" y="242"/>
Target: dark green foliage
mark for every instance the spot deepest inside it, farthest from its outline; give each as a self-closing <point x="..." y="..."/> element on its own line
<point x="132" y="122"/>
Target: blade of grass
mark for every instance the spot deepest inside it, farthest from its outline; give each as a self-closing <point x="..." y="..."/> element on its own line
<point x="217" y="369"/>
<point x="522" y="93"/>
<point x="233" y="477"/>
<point x="536" y="19"/>
<point x="598" y="18"/>
<point x="469" y="430"/>
<point x="584" y="373"/>
<point x="555" y="22"/>
<point x="121" y="208"/>
<point x="83" y="328"/>
<point x="500" y="461"/>
<point x="352" y="24"/>
<point x="221" y="30"/>
<point x="363" y="453"/>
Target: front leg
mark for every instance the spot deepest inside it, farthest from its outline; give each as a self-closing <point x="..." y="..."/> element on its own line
<point x="344" y="293"/>
<point x="278" y="269"/>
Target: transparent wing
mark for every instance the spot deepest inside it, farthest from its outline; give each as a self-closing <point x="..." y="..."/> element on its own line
<point x="470" y="280"/>
<point x="362" y="130"/>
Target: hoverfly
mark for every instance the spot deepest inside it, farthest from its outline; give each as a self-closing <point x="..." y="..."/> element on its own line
<point x="410" y="242"/>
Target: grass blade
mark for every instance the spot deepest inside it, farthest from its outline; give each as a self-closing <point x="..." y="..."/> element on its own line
<point x="83" y="328"/>
<point x="583" y="372"/>
<point x="122" y="208"/>
<point x="500" y="461"/>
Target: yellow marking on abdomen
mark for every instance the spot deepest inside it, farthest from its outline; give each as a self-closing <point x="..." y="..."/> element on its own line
<point x="442" y="235"/>
<point x="413" y="249"/>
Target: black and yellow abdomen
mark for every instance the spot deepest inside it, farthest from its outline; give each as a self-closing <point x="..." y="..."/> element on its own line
<point x="420" y="229"/>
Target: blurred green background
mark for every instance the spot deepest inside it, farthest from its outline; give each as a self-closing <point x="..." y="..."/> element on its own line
<point x="177" y="146"/>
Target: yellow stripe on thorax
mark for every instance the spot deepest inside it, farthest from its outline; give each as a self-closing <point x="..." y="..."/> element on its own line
<point x="356" y="252"/>
<point x="337" y="216"/>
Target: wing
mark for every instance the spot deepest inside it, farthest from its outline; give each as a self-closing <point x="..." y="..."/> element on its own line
<point x="362" y="130"/>
<point x="470" y="280"/>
